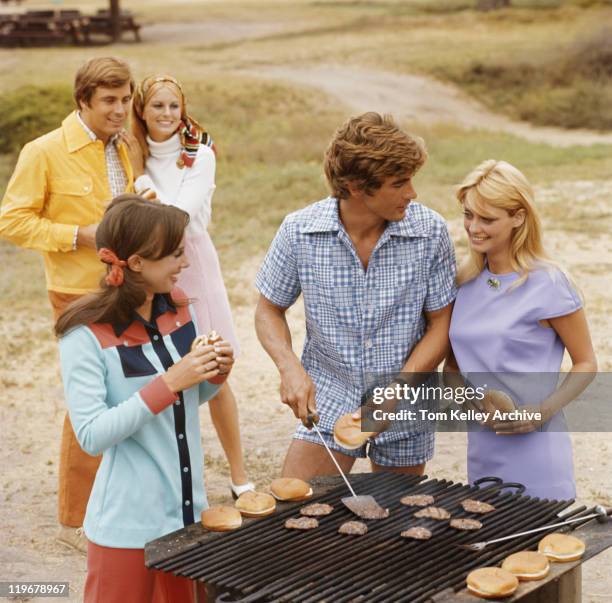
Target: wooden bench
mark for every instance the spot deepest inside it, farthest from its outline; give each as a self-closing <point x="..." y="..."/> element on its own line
<point x="46" y="27"/>
<point x="31" y="32"/>
<point x="101" y="24"/>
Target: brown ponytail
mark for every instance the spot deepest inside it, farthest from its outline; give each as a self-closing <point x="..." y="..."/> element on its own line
<point x="131" y="225"/>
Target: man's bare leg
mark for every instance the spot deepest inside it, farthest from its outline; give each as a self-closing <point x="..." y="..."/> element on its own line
<point x="411" y="470"/>
<point x="305" y="460"/>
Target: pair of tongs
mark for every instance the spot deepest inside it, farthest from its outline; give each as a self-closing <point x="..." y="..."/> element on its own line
<point x="364" y="505"/>
<point x="601" y="514"/>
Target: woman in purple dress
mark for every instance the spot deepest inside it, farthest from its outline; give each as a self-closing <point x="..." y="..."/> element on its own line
<point x="516" y="313"/>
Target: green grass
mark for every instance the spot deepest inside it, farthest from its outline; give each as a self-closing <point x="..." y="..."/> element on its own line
<point x="29" y="111"/>
<point x="271" y="140"/>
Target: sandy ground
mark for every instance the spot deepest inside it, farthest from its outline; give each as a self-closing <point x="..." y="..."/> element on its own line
<point x="31" y="412"/>
<point x="31" y="397"/>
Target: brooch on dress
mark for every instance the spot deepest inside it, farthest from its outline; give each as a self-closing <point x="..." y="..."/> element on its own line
<point x="494" y="283"/>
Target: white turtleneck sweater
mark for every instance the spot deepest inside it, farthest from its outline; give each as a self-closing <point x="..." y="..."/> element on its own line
<point x="190" y="189"/>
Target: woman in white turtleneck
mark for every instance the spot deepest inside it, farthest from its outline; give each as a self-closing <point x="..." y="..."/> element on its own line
<point x="173" y="157"/>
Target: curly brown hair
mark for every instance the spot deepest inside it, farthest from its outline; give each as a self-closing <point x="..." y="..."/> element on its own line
<point x="366" y="150"/>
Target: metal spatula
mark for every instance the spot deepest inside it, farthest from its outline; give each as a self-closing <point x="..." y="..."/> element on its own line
<point x="364" y="506"/>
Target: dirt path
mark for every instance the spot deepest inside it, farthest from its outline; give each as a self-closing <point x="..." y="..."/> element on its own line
<point x="213" y="31"/>
<point x="419" y="98"/>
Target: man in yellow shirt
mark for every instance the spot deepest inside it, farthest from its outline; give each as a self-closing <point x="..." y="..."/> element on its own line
<point x="55" y="198"/>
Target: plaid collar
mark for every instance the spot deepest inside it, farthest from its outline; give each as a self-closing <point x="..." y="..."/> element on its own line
<point x="91" y="134"/>
<point x="327" y="219"/>
<point x="161" y="304"/>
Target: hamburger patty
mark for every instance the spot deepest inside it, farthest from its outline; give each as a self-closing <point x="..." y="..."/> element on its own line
<point x="417" y="533"/>
<point x="301" y="523"/>
<point x="373" y="512"/>
<point x="316" y="510"/>
<point x="433" y="513"/>
<point x="417" y="500"/>
<point x="465" y="524"/>
<point x="476" y="506"/>
<point x="354" y="528"/>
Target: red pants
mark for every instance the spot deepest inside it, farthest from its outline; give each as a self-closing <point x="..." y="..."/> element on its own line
<point x="120" y="575"/>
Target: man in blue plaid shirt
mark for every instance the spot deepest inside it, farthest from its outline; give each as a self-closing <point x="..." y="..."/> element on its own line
<point x="377" y="272"/>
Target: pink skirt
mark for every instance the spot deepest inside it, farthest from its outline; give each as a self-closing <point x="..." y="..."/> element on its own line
<point x="203" y="283"/>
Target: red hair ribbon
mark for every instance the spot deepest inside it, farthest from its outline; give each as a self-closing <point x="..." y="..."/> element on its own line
<point x="115" y="277"/>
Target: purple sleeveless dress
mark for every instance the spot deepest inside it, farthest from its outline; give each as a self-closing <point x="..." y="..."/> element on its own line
<point x="494" y="330"/>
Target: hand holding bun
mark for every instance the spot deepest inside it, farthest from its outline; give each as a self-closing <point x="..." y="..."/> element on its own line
<point x="199" y="365"/>
<point x="495" y="399"/>
<point x="224" y="354"/>
<point x="221" y="519"/>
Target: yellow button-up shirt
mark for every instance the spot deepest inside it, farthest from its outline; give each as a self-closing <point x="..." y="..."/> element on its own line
<point x="60" y="182"/>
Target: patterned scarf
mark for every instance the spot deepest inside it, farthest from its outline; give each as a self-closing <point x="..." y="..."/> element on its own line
<point x="191" y="138"/>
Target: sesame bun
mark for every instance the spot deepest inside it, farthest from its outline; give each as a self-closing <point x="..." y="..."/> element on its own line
<point x="221" y="519"/>
<point x="527" y="565"/>
<point x="491" y="583"/>
<point x="255" y="504"/>
<point x="348" y="434"/>
<point x="290" y="488"/>
<point x="561" y="547"/>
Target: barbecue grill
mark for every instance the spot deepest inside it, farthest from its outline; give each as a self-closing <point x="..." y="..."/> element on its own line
<point x="263" y="561"/>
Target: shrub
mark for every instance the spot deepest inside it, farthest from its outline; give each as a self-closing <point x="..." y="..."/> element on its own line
<point x="29" y="112"/>
<point x="570" y="87"/>
<point x="591" y="56"/>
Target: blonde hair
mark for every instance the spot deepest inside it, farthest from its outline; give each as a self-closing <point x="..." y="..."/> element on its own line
<point x="144" y="91"/>
<point x="108" y="72"/>
<point x="367" y="149"/>
<point x="500" y="185"/>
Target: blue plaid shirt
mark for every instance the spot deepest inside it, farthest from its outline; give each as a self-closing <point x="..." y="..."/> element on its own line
<point x="358" y="322"/>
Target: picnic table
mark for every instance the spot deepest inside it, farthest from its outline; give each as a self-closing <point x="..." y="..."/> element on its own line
<point x="65" y="26"/>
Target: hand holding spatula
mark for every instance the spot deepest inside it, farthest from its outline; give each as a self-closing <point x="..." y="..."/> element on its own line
<point x="364" y="506"/>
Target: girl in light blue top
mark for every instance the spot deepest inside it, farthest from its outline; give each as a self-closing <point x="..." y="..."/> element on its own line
<point x="133" y="388"/>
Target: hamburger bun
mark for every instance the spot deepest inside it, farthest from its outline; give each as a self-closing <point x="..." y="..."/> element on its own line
<point x="290" y="488"/>
<point x="561" y="547"/>
<point x="527" y="565"/>
<point x="348" y="434"/>
<point x="495" y="399"/>
<point x="255" y="504"/>
<point x="492" y="583"/>
<point x="210" y="339"/>
<point x="221" y="519"/>
<point x="199" y="341"/>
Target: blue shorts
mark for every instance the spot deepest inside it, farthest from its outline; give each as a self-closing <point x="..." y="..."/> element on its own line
<point x="384" y="450"/>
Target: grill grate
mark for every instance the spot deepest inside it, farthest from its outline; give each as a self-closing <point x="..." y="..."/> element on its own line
<point x="265" y="562"/>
